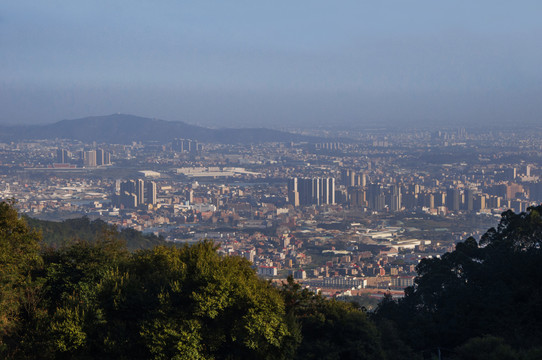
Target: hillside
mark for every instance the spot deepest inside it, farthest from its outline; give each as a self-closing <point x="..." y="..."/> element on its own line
<point x="124" y="129"/>
<point x="97" y="300"/>
<point x="57" y="234"/>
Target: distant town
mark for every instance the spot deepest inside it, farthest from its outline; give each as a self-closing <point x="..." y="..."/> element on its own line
<point x="351" y="216"/>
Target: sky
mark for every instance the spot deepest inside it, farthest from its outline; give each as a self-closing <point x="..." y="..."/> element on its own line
<point x="280" y="64"/>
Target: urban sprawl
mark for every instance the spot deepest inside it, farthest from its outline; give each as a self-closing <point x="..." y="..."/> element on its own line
<point x="344" y="217"/>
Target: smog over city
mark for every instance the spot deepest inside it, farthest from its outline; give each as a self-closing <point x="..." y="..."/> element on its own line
<point x="270" y="180"/>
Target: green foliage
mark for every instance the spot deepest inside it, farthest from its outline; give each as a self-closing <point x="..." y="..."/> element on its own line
<point x="193" y="303"/>
<point x="330" y="329"/>
<point x="491" y="288"/>
<point x="163" y="303"/>
<point x="57" y="234"/>
<point x="485" y="348"/>
<point x="95" y="299"/>
<point x="338" y="330"/>
<point x="19" y="258"/>
<point x="91" y="297"/>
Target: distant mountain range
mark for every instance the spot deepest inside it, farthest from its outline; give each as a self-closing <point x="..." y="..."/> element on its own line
<point x="124" y="129"/>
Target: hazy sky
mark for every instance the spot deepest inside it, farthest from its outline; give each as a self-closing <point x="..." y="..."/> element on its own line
<point x="273" y="63"/>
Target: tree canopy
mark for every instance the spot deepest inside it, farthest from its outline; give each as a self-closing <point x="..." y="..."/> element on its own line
<point x="330" y="329"/>
<point x="19" y="256"/>
<point x="490" y="287"/>
<point x="96" y="299"/>
<point x="57" y="234"/>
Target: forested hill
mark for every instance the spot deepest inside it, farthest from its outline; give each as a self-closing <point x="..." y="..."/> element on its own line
<point x="124" y="129"/>
<point x="58" y="234"/>
<point x="94" y="299"/>
<point x="481" y="301"/>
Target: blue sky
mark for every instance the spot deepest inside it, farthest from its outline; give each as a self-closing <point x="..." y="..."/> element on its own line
<point x="274" y="63"/>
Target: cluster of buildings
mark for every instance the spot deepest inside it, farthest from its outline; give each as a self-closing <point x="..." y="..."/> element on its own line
<point x="131" y="194"/>
<point x="311" y="191"/>
<point x="466" y="194"/>
<point x="86" y="158"/>
<point x="186" y="146"/>
<point x="341" y="217"/>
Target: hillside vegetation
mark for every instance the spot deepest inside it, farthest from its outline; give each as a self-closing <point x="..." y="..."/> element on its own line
<point x="484" y="297"/>
<point x="57" y="234"/>
<point x="94" y="299"/>
<point x="89" y="297"/>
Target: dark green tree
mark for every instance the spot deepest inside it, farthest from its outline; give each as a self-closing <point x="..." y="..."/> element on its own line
<point x="192" y="303"/>
<point x="19" y="258"/>
<point x="485" y="348"/>
<point x="486" y="288"/>
<point x="58" y="234"/>
<point x="93" y="298"/>
<point x="330" y="329"/>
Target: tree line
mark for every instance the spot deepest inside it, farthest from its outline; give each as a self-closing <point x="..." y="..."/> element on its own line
<point x="87" y="297"/>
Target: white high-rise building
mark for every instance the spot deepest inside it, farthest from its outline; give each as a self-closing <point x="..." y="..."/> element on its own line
<point x="89" y="158"/>
<point x="140" y="191"/>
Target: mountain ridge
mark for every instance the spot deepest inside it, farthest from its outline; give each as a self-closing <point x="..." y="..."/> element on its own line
<point x="125" y="128"/>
